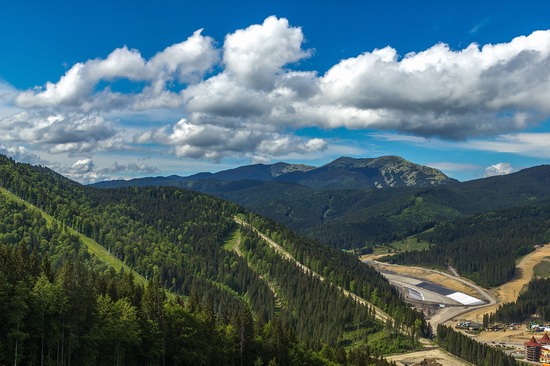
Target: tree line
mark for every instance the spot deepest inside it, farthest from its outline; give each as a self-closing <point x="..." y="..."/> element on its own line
<point x="483" y="247"/>
<point x="470" y="350"/>
<point x="534" y="301"/>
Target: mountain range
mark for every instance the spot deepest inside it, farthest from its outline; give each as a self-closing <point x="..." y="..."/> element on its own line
<point x="341" y="204"/>
<point x="342" y="173"/>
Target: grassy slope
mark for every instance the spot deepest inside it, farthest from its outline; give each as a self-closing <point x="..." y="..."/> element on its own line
<point x="543" y="268"/>
<point x="410" y="243"/>
<point x="94" y="248"/>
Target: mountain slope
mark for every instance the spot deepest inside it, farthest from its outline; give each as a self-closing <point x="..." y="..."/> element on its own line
<point x="342" y="173"/>
<point x="382" y="172"/>
<point x="92" y="246"/>
<point x="178" y="237"/>
<point x="354" y="218"/>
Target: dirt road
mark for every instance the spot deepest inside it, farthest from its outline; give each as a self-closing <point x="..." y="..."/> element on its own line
<point x="510" y="291"/>
<point x="444" y="279"/>
<point x="379" y="313"/>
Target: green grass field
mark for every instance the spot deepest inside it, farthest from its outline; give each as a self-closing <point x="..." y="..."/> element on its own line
<point x="410" y="243"/>
<point x="381" y="249"/>
<point x="232" y="240"/>
<point x="543" y="268"/>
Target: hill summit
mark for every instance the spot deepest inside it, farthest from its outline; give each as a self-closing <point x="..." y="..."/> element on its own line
<point x="381" y="172"/>
<point x="342" y="173"/>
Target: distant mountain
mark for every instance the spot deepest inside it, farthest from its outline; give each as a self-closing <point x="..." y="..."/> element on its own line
<point x="382" y="172"/>
<point x="306" y="201"/>
<point x="342" y="173"/>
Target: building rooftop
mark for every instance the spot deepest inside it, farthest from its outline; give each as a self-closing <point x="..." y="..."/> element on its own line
<point x="532" y="343"/>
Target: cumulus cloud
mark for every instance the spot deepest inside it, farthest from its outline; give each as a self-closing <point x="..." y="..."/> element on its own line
<point x="82" y="170"/>
<point x="441" y="92"/>
<point x="498" y="169"/>
<point x="184" y="62"/>
<point x="22" y="155"/>
<point x="70" y="133"/>
<point x="248" y="96"/>
<point x="255" y="56"/>
<point x="215" y="142"/>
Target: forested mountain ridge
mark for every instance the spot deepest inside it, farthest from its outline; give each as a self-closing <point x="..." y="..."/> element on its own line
<point x="176" y="237"/>
<point x="381" y="172"/>
<point x="359" y="217"/>
<point x="342" y="173"/>
<point x="479" y="227"/>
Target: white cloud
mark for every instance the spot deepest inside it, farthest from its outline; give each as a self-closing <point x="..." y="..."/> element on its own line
<point x="498" y="169"/>
<point x="86" y="171"/>
<point x="70" y="133"/>
<point x="216" y="142"/>
<point x="82" y="170"/>
<point x="7" y="96"/>
<point x="83" y="166"/>
<point x="441" y="92"/>
<point x="526" y="144"/>
<point x="22" y="154"/>
<point x="131" y="167"/>
<point x="247" y="97"/>
<point x="185" y="62"/>
<point x="256" y="55"/>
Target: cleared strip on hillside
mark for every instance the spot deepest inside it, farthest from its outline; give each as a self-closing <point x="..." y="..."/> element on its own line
<point x="93" y="247"/>
<point x="379" y="313"/>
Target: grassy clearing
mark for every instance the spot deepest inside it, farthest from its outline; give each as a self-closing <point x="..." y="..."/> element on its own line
<point x="93" y="247"/>
<point x="383" y="340"/>
<point x="233" y="240"/>
<point x="409" y="244"/>
<point x="382" y="249"/>
<point x="543" y="268"/>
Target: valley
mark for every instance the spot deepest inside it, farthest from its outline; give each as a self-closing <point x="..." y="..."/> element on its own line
<point x="260" y="280"/>
<point x="452" y="313"/>
<point x="274" y="183"/>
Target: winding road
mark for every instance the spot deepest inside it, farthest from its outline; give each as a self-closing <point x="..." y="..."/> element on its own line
<point x="447" y="313"/>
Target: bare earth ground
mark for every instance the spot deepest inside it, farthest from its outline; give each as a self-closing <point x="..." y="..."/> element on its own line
<point x="436" y="354"/>
<point x="508" y="292"/>
<point x="430" y="276"/>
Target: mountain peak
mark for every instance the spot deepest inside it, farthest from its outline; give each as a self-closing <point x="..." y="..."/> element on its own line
<point x="342" y="173"/>
<point x="380" y="172"/>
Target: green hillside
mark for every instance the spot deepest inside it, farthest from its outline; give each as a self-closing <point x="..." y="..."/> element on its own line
<point x="99" y="253"/>
<point x="175" y="238"/>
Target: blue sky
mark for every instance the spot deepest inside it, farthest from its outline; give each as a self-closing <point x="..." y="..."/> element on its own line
<point x="119" y="89"/>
